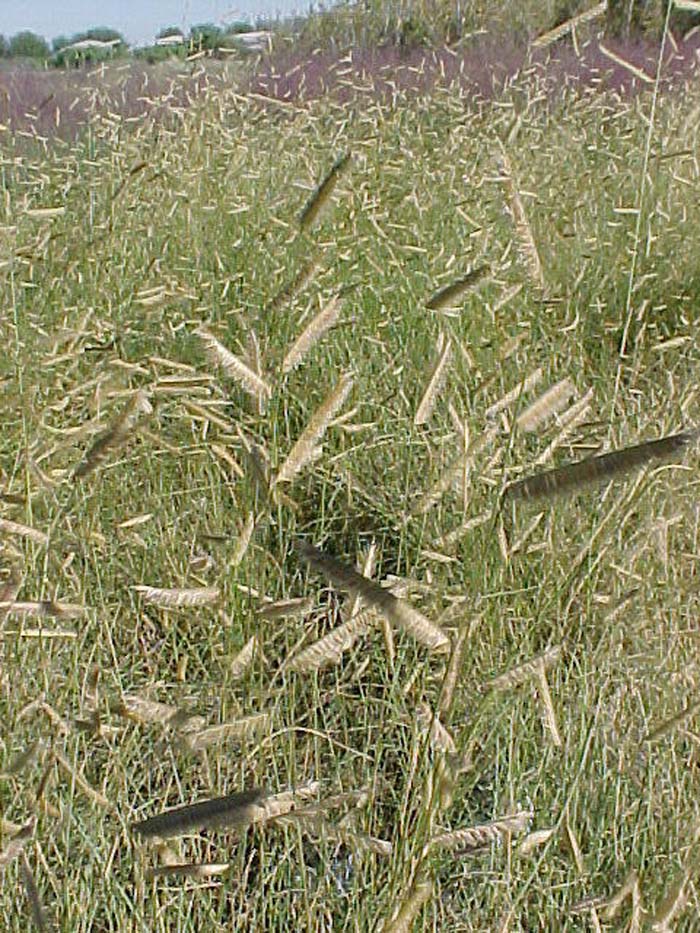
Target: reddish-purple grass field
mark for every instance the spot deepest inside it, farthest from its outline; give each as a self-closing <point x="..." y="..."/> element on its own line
<point x="485" y="67"/>
<point x="58" y="105"/>
<point x="49" y="104"/>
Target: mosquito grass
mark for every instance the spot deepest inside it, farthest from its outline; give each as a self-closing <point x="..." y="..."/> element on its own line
<point x="103" y="300"/>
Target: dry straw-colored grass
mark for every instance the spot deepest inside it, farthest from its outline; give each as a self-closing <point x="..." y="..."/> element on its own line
<point x="327" y="318"/>
<point x="330" y="649"/>
<point x="524" y="672"/>
<point x="38" y="913"/>
<point x="435" y="384"/>
<point x="397" y="611"/>
<point x="523" y="388"/>
<point x="295" y="608"/>
<point x="14" y="846"/>
<point x="476" y="837"/>
<point x="439" y="736"/>
<point x="306" y="449"/>
<point x="9" y="527"/>
<point x="199" y="870"/>
<point x="296" y="284"/>
<point x="227" y="731"/>
<point x="115" y="436"/>
<point x="242" y="661"/>
<point x="409" y="908"/>
<point x="523" y="231"/>
<point x="182" y="598"/>
<point x="549" y="403"/>
<point x="570" y="25"/>
<point x="233" y="366"/>
<point x="455" y="471"/>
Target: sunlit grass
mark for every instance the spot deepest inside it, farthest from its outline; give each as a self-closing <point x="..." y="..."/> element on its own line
<point x="194" y="223"/>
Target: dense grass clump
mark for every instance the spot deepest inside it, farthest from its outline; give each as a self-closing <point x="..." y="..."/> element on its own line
<point x="274" y="375"/>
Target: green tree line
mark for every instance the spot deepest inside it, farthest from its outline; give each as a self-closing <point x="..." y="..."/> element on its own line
<point x="29" y="46"/>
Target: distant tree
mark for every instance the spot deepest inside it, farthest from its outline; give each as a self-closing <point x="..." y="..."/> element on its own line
<point x="4" y="47"/>
<point x="169" y="31"/>
<point x="66" y="56"/>
<point x="154" y="54"/>
<point x="60" y="42"/>
<point x="205" y="36"/>
<point x="237" y="28"/>
<point x="632" y="17"/>
<point x="102" y="34"/>
<point x="28" y="45"/>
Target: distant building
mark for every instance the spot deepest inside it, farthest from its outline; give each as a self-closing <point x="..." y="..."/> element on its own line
<point x="169" y="41"/>
<point x="84" y="44"/>
<point x="252" y="41"/>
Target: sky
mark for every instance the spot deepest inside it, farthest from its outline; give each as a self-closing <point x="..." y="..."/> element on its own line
<point x="137" y="20"/>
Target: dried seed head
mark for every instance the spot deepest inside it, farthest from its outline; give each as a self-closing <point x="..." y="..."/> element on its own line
<point x="606" y="466"/>
<point x="233" y="366"/>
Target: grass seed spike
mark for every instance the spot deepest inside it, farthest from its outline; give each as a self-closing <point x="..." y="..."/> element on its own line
<point x="321" y="194"/>
<point x="570" y="477"/>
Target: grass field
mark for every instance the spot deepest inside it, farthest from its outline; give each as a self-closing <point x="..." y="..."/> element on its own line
<point x="207" y="365"/>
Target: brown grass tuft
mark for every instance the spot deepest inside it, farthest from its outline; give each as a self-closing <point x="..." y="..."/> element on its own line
<point x="524" y="672"/>
<point x="418" y="895"/>
<point x="630" y="889"/>
<point x="79" y="781"/>
<point x="199" y="870"/>
<point x="439" y="736"/>
<point x="243" y="541"/>
<point x="570" y="25"/>
<point x="306" y="448"/>
<point x="672" y="723"/>
<point x="116" y="434"/>
<point x="14" y="846"/>
<point x="575" y="475"/>
<point x="569" y="421"/>
<point x="242" y="661"/>
<point x="455" y="471"/>
<point x="550" y="717"/>
<point x="453" y="669"/>
<point x="292" y="288"/>
<point x="446" y="297"/>
<point x="9" y="527"/>
<point x="234" y="811"/>
<point x="233" y="366"/>
<point x="434" y="386"/>
<point x="523" y="230"/>
<point x="549" y="403"/>
<point x="476" y="837"/>
<point x="396" y="610"/>
<point x="533" y="841"/>
<point x="236" y="730"/>
<point x="327" y="318"/>
<point x="514" y="394"/>
<point x="322" y="193"/>
<point x="294" y="608"/>
<point x="36" y="908"/>
<point x="329" y="649"/>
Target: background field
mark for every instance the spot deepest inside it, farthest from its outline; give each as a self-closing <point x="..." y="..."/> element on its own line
<point x="583" y="203"/>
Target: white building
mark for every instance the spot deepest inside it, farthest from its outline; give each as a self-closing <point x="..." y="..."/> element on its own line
<point x="252" y="41"/>
<point x="84" y="44"/>
<point x="169" y="41"/>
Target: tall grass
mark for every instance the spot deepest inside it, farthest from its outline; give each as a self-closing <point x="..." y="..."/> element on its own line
<point x="536" y="798"/>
